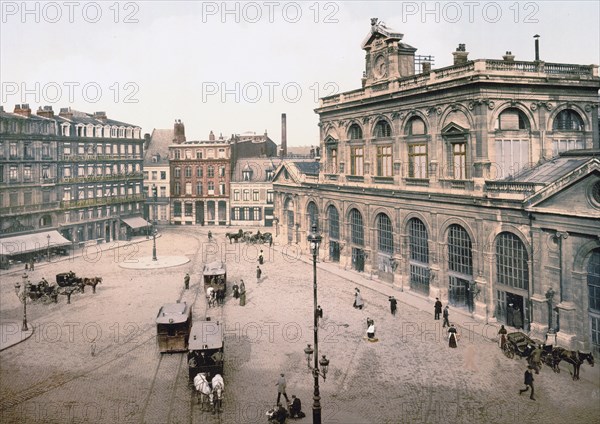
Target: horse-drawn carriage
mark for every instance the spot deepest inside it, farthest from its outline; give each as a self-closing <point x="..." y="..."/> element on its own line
<point x="43" y="291"/>
<point x="68" y="279"/>
<point x="538" y="353"/>
<point x="173" y="325"/>
<point x="205" y="362"/>
<point x="214" y="276"/>
<point x="249" y="237"/>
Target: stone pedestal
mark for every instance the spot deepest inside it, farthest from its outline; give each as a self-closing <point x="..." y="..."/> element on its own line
<point x="480" y="312"/>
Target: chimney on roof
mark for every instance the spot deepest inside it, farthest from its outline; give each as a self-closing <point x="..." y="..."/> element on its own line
<point x="23" y="110"/>
<point x="537" y="47"/>
<point x="66" y="112"/>
<point x="147" y="139"/>
<point x="46" y="112"/>
<point x="460" y="55"/>
<point x="426" y="67"/>
<point x="211" y="136"/>
<point x="101" y="116"/>
<point x="178" y="132"/>
<point x="509" y="57"/>
<point x="283" y="135"/>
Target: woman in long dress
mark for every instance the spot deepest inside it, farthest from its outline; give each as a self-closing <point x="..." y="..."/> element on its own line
<point x="242" y="294"/>
<point x="452" y="336"/>
<point x="358" y="300"/>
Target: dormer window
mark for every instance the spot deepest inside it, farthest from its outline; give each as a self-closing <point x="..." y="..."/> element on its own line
<point x="246" y="175"/>
<point x="269" y="174"/>
<point x="155" y="159"/>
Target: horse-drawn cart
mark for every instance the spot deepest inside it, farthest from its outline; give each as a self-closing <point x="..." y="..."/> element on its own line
<point x="68" y="279"/>
<point x="173" y="324"/>
<point x="520" y="344"/>
<point x="206" y="349"/>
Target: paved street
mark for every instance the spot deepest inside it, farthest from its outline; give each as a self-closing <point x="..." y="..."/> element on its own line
<point x="96" y="360"/>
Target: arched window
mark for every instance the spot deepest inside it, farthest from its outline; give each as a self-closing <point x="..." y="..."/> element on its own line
<point x="334" y="222"/>
<point x="593" y="281"/>
<point x="512" y="119"/>
<point x="385" y="238"/>
<point x="46" y="221"/>
<point x="511" y="261"/>
<point x="419" y="256"/>
<point x="312" y="216"/>
<point x="460" y="265"/>
<point x="568" y="120"/>
<point x="382" y="129"/>
<point x="355" y="132"/>
<point x="356" y="228"/>
<point x="415" y="126"/>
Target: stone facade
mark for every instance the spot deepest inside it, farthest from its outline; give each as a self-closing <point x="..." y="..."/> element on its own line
<point x="252" y="196"/>
<point x="76" y="173"/>
<point x="471" y="183"/>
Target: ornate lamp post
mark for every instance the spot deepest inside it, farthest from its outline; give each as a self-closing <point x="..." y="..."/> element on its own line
<point x="154" y="195"/>
<point x="48" y="252"/>
<point x="23" y="298"/>
<point x="314" y="240"/>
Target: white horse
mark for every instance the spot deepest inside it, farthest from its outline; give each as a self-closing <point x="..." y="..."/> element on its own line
<point x="211" y="297"/>
<point x="203" y="389"/>
<point x="218" y="387"/>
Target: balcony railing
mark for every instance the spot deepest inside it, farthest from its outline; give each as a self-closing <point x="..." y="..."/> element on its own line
<point x="512" y="187"/>
<point x="471" y="68"/>
<point x="417" y="182"/>
<point x="83" y="158"/>
<point x="457" y="184"/>
<point x="14" y="210"/>
<point x="103" y="178"/>
<point x="100" y="201"/>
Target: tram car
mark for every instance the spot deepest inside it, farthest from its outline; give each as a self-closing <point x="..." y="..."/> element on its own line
<point x="214" y="275"/>
<point x="173" y="325"/>
<point x="206" y="349"/>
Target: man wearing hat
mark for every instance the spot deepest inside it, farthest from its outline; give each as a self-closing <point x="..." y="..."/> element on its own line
<point x="393" y="303"/>
<point x="281" y="383"/>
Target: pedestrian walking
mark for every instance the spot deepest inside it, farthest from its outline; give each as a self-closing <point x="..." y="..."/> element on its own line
<point x="209" y="235"/>
<point x="393" y="304"/>
<point x="236" y="291"/>
<point x="437" y="308"/>
<point x="242" y="293"/>
<point x="258" y="273"/>
<point x="32" y="265"/>
<point x="452" y="337"/>
<point x="186" y="281"/>
<point x="528" y="382"/>
<point x="502" y="332"/>
<point x="281" y="384"/>
<point x="319" y="312"/>
<point x="446" y="314"/>
<point x="358" y="300"/>
<point x="261" y="258"/>
<point x="371" y="331"/>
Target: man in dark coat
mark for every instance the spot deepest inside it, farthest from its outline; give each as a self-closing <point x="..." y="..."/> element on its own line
<point x="393" y="304"/>
<point x="437" y="308"/>
<point x="446" y="314"/>
<point x="296" y="408"/>
<point x="261" y="258"/>
<point x="258" y="273"/>
<point x="186" y="281"/>
<point x="528" y="382"/>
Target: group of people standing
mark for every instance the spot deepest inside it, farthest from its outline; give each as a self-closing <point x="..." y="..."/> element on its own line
<point x="453" y="335"/>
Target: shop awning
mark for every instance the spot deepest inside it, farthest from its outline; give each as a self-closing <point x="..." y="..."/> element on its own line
<point x="25" y="243"/>
<point x="135" y="222"/>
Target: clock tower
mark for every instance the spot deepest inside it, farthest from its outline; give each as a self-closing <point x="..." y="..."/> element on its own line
<point x="387" y="58"/>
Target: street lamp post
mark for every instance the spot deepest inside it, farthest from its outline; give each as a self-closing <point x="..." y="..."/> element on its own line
<point x="23" y="298"/>
<point x="154" y="195"/>
<point x="48" y="253"/>
<point x="314" y="240"/>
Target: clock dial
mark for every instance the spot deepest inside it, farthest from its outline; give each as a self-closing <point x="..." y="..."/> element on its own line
<point x="380" y="68"/>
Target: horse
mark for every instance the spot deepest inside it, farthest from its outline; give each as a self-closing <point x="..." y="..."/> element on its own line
<point x="233" y="236"/>
<point x="203" y="390"/>
<point x="211" y="297"/>
<point x="218" y="387"/>
<point x="575" y="358"/>
<point x="90" y="282"/>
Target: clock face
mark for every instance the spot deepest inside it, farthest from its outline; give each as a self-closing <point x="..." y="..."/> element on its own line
<point x="380" y="68"/>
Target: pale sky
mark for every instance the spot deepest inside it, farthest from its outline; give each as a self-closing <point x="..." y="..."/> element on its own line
<point x="233" y="67"/>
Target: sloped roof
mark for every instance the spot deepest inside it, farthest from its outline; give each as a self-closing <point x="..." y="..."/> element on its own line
<point x="159" y="145"/>
<point x="307" y="167"/>
<point x="258" y="166"/>
<point x="553" y="170"/>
